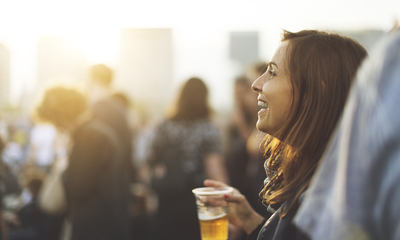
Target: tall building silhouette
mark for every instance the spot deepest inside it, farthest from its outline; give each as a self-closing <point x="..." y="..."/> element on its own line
<point x="244" y="48"/>
<point x="4" y="76"/>
<point x="146" y="65"/>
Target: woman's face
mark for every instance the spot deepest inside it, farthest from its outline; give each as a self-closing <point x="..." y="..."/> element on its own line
<point x="275" y="93"/>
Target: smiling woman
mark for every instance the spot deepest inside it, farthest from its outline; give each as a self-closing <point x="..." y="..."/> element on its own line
<point x="302" y="96"/>
<point x="275" y="93"/>
<point x="314" y="71"/>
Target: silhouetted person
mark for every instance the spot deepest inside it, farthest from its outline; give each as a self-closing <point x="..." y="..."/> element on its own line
<point x="111" y="109"/>
<point x="185" y="150"/>
<point x="3" y="224"/>
<point x="96" y="180"/>
<point x="34" y="224"/>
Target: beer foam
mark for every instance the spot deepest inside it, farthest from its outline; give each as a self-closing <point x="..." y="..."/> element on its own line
<point x="204" y="216"/>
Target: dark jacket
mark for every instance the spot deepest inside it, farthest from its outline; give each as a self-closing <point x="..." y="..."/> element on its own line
<point x="279" y="228"/>
<point x="115" y="115"/>
<point x="97" y="186"/>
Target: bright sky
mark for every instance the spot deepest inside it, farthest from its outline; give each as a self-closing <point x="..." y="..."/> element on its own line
<point x="95" y="26"/>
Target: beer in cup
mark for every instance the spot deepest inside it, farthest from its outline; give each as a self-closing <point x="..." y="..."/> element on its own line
<point x="212" y="210"/>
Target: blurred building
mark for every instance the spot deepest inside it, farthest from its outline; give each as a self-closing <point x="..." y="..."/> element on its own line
<point x="59" y="60"/>
<point x="146" y="65"/>
<point x="367" y="38"/>
<point x="244" y="48"/>
<point x="4" y="76"/>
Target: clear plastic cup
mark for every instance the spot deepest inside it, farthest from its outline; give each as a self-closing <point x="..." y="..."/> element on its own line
<point x="212" y="211"/>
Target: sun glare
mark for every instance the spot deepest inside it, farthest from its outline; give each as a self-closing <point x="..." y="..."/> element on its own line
<point x="98" y="47"/>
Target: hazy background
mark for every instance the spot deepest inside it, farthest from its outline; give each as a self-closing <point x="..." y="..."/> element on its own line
<point x="155" y="45"/>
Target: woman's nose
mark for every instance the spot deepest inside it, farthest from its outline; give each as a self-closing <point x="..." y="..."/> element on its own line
<point x="257" y="84"/>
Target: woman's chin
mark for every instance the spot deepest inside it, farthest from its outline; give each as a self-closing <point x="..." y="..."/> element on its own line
<point x="260" y="127"/>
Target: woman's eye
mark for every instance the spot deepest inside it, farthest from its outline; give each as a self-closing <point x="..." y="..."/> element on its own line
<point x="271" y="73"/>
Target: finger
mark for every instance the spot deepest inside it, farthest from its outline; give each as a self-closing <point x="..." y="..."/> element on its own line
<point x="234" y="198"/>
<point x="212" y="183"/>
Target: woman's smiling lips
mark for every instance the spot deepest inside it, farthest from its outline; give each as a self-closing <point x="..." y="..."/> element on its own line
<point x="263" y="104"/>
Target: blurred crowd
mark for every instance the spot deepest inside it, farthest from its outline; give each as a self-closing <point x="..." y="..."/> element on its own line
<point x="86" y="166"/>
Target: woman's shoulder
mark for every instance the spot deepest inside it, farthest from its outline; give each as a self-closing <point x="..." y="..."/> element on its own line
<point x="281" y="227"/>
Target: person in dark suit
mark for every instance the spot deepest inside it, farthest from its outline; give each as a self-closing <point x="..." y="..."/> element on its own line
<point x="96" y="180"/>
<point x="112" y="109"/>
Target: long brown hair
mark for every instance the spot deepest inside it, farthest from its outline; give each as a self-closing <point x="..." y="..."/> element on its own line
<point x="321" y="68"/>
<point x="192" y="102"/>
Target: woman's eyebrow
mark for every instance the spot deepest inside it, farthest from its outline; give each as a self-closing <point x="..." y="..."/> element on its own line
<point x="272" y="63"/>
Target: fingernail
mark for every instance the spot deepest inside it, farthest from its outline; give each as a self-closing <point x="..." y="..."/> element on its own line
<point x="226" y="196"/>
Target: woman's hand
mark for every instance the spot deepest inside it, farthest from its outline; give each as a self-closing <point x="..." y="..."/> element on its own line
<point x="241" y="214"/>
